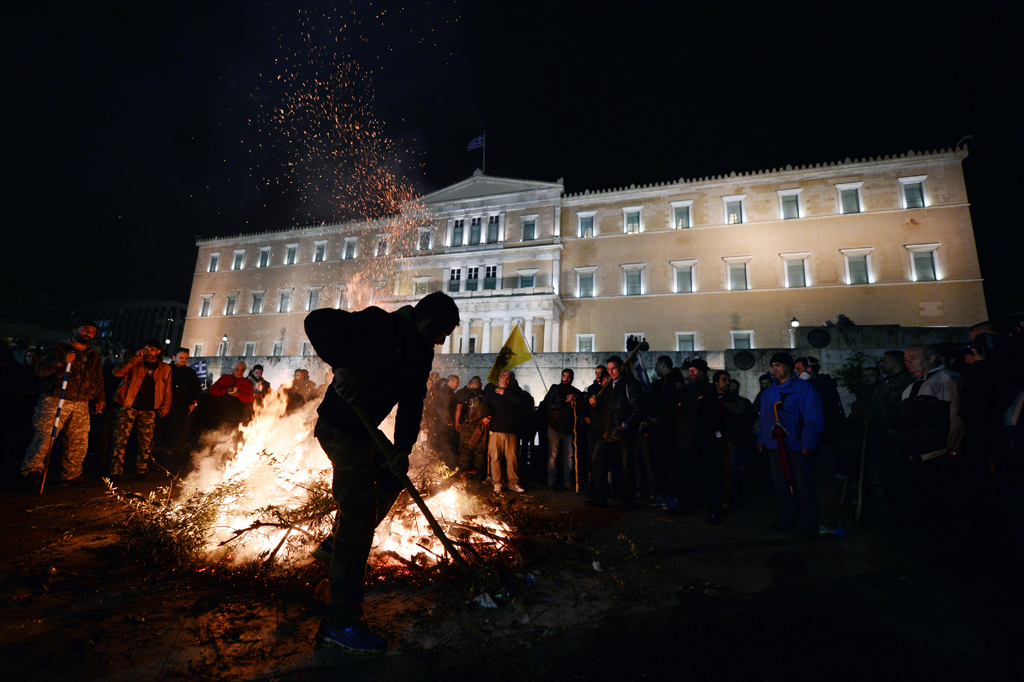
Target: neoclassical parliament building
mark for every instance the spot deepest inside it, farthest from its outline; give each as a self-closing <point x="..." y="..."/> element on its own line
<point x="698" y="264"/>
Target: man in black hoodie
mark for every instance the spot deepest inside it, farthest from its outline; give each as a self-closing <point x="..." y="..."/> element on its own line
<point x="381" y="359"/>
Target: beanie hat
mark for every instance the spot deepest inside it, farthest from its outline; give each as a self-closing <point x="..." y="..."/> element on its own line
<point x="700" y="364"/>
<point x="84" y="322"/>
<point x="783" y="359"/>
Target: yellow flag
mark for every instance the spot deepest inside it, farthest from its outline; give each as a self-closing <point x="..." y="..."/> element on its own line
<point x="515" y="352"/>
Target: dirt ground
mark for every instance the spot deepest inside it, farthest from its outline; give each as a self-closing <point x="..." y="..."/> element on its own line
<point x="633" y="595"/>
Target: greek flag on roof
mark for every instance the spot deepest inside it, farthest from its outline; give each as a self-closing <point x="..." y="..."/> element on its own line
<point x="475" y="143"/>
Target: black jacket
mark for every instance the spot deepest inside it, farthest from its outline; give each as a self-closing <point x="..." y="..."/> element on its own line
<point x="389" y="359"/>
<point x="561" y="416"/>
<point x="185" y="387"/>
<point x="622" y="407"/>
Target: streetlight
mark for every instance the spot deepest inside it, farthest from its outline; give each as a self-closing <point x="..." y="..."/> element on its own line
<point x="794" y="323"/>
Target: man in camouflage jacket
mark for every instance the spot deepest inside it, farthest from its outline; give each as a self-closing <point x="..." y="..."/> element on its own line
<point x="85" y="383"/>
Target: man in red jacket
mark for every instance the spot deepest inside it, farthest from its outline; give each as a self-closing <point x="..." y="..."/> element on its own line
<point x="236" y="394"/>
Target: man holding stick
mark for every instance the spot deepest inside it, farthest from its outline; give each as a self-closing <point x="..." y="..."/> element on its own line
<point x="85" y="383"/>
<point x="380" y="360"/>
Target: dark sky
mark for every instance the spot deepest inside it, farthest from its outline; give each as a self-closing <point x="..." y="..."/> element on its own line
<point x="130" y="128"/>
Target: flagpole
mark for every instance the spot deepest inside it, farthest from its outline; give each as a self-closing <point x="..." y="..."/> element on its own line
<point x="533" y="355"/>
<point x="484" y="169"/>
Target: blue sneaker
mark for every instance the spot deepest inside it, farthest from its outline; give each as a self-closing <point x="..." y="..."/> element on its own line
<point x="658" y="501"/>
<point x="357" y="639"/>
<point x="325" y="551"/>
<point x="671" y="503"/>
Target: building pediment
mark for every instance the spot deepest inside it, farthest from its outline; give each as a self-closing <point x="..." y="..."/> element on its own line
<point x="480" y="186"/>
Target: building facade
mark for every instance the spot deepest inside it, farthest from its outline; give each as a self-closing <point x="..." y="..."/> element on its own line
<point x="130" y="322"/>
<point x="693" y="265"/>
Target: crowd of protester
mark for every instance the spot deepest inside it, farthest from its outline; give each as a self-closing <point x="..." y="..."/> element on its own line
<point x="932" y="442"/>
<point x="131" y="408"/>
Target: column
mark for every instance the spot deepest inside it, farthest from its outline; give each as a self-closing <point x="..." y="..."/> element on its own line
<point x="546" y="329"/>
<point x="556" y="335"/>
<point x="446" y="345"/>
<point x="485" y="336"/>
<point x="528" y="333"/>
<point x="556" y="274"/>
<point x="506" y="328"/>
<point x="466" y="323"/>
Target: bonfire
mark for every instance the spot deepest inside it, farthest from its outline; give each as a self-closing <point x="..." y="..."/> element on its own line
<point x="261" y="493"/>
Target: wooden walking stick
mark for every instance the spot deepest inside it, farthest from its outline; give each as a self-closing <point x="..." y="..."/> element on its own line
<point x="860" y="481"/>
<point x="386" y="447"/>
<point x="575" y="446"/>
<point x="56" y="423"/>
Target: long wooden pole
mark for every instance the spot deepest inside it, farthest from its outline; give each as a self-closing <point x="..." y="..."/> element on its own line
<point x="56" y="424"/>
<point x="386" y="447"/>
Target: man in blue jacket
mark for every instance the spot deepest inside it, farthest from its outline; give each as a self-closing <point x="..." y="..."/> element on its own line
<point x="791" y="425"/>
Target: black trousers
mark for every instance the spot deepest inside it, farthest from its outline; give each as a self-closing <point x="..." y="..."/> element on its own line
<point x="364" y="490"/>
<point x="603" y="457"/>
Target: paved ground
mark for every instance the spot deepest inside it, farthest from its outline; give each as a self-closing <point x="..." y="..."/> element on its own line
<point x="672" y="597"/>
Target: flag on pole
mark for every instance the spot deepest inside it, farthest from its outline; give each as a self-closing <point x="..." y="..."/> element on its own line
<point x="514" y="353"/>
<point x="200" y="369"/>
<point x="635" y="367"/>
<point x="476" y="143"/>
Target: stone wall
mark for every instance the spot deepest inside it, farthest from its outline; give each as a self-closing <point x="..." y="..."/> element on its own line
<point x="845" y="343"/>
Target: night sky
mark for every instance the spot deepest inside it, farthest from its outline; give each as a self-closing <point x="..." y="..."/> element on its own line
<point x="132" y="128"/>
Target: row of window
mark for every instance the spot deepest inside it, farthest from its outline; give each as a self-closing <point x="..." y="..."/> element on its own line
<point x="284" y="302"/>
<point x="249" y="349"/>
<point x="263" y="260"/>
<point x="923" y="268"/>
<point x="849" y="199"/>
<point x="685" y="341"/>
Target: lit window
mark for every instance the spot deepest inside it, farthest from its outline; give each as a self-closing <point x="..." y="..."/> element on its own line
<point x="789" y="203"/>
<point x="491" y="277"/>
<point x="924" y="265"/>
<point x="350" y="248"/>
<point x="454" y="280"/>
<point x="585" y="229"/>
<point x="584" y="343"/>
<point x="257" y="303"/>
<point x="320" y="252"/>
<point x="290" y="253"/>
<point x="639" y="336"/>
<point x="264" y="258"/>
<point x="858" y="265"/>
<point x="222" y="349"/>
<point x="286" y="302"/>
<point x="307" y="349"/>
<point x="472" y="278"/>
<point x="681" y="214"/>
<point x="419" y="286"/>
<point x="424" y="241"/>
<point x="742" y="340"/>
<point x="527" y="278"/>
<point x="250" y="349"/>
<point x="314" y="299"/>
<point x="686" y="341"/>
<point x="633" y="273"/>
<point x="683" y="275"/>
<point x="197" y="350"/>
<point x="239" y="259"/>
<point x="796" y="269"/>
<point x="734" y="213"/>
<point x="278" y="349"/>
<point x="529" y="229"/>
<point x="382" y="247"/>
<point x="229" y="309"/>
<point x="492" y="229"/>
<point x="632" y="219"/>
<point x="912" y="190"/>
<point x="474" y="231"/>
<point x="585" y="282"/>
<point x="850" y="197"/>
<point x="214" y="262"/>
<point x="738" y="273"/>
<point x="204" y="310"/>
<point x="457" y="229"/>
